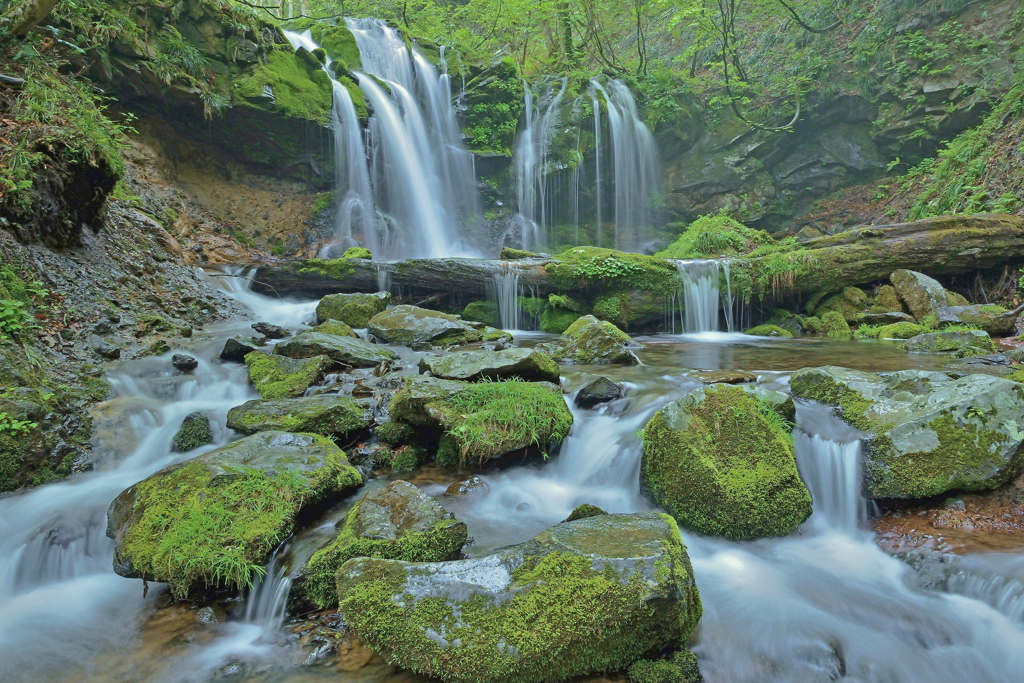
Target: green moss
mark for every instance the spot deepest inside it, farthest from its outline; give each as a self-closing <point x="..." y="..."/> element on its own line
<point x="583" y="265"/>
<point x="358" y="252"/>
<point x="564" y="302"/>
<point x="301" y="89"/>
<point x="834" y="325"/>
<point x="532" y="305"/>
<point x="279" y="377"/>
<point x="482" y="311"/>
<point x="886" y="301"/>
<point x="195" y="431"/>
<point x="1017" y="375"/>
<point x="901" y="330"/>
<point x="335" y="269"/>
<point x="812" y="324"/>
<point x="447" y="451"/>
<point x="682" y="667"/>
<point x="435" y="543"/>
<point x="10" y="453"/>
<point x="510" y="254"/>
<point x="355" y="94"/>
<point x="584" y="511"/>
<point x="715" y="235"/>
<point x="394" y="433"/>
<point x="848" y="303"/>
<point x="190" y="532"/>
<point x="729" y="471"/>
<point x="851" y="404"/>
<point x="334" y="327"/>
<point x="768" y="331"/>
<point x="339" y="43"/>
<point x="406" y="459"/>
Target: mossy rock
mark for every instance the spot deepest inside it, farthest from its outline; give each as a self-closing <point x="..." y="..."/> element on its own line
<point x="483" y="312"/>
<point x="590" y="341"/>
<point x="301" y="89"/>
<point x="833" y="324"/>
<point x="212" y="521"/>
<point x="721" y="460"/>
<point x="584" y="511"/>
<point x="280" y="377"/>
<point x="886" y="301"/>
<point x="327" y="414"/>
<point x="922" y="295"/>
<point x="409" y="404"/>
<point x="715" y="235"/>
<point x="956" y="299"/>
<point x="345" y="351"/>
<point x="681" y="667"/>
<point x="420" y="328"/>
<point x="557" y="320"/>
<point x="526" y="364"/>
<point x="593" y="595"/>
<point x="595" y="266"/>
<point x="237" y="348"/>
<point x="993" y="319"/>
<point x="902" y="330"/>
<point x="352" y="309"/>
<point x="195" y="431"/>
<point x="956" y="344"/>
<point x="929" y="434"/>
<point x="397" y="522"/>
<point x="849" y="303"/>
<point x="339" y="43"/>
<point x="630" y="308"/>
<point x="394" y="433"/>
<point x="812" y="324"/>
<point x="769" y="331"/>
<point x="510" y="254"/>
<point x="358" y="252"/>
<point x="335" y="327"/>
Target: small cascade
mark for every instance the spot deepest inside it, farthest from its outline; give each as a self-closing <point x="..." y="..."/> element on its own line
<point x="267" y="603"/>
<point x="828" y="457"/>
<point x="506" y="295"/>
<point x="383" y="276"/>
<point x="597" y="166"/>
<point x="530" y="162"/>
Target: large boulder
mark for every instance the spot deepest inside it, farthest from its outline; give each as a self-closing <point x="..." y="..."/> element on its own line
<point x="927" y="433"/>
<point x="397" y="522"/>
<point x="421" y="328"/>
<point x="528" y="364"/>
<point x="600" y="390"/>
<point x="591" y="341"/>
<point x="195" y="431"/>
<point x="721" y="460"/>
<point x="849" y="303"/>
<point x="921" y="294"/>
<point x="995" y="320"/>
<point x="335" y="327"/>
<point x="326" y="414"/>
<point x="409" y="405"/>
<point x="352" y="309"/>
<point x="237" y="348"/>
<point x="281" y="377"/>
<point x="350" y="351"/>
<point x="592" y="595"/>
<point x="957" y="344"/>
<point x="213" y="520"/>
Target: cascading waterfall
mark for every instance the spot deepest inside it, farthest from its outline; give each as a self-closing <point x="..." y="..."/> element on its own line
<point x="597" y="166"/>
<point x="531" y="162"/>
<point x="695" y="306"/>
<point x="267" y="603"/>
<point x="506" y="295"/>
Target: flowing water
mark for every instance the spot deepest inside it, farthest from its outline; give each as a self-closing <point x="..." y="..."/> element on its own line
<point x="823" y="604"/>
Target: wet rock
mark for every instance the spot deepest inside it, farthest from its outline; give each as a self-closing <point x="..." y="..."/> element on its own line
<point x="326" y="414"/>
<point x="335" y="327"/>
<point x="956" y="344"/>
<point x="352" y="309"/>
<point x="473" y="486"/>
<point x="722" y="466"/>
<point x="528" y="364"/>
<point x="195" y="431"/>
<point x="592" y="341"/>
<point x="410" y="403"/>
<point x="928" y="433"/>
<point x="183" y="362"/>
<point x="884" y="318"/>
<point x="420" y="328"/>
<point x="347" y="351"/>
<point x="227" y="508"/>
<point x="281" y="377"/>
<point x="724" y="376"/>
<point x="103" y="348"/>
<point x="206" y="615"/>
<point x="270" y="331"/>
<point x="397" y="522"/>
<point x="631" y="571"/>
<point x="600" y="390"/>
<point x="237" y="348"/>
<point x="995" y="320"/>
<point x="921" y="294"/>
<point x="584" y="511"/>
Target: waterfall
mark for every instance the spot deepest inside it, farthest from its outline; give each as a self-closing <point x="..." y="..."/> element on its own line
<point x="828" y="457"/>
<point x="636" y="165"/>
<point x="506" y="295"/>
<point x="267" y="603"/>
<point x="530" y="163"/>
<point x="597" y="165"/>
<point x="696" y="304"/>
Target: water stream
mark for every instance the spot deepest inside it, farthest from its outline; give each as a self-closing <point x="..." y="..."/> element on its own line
<point x="823" y="604"/>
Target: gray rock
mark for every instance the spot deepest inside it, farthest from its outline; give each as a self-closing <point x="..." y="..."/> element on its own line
<point x="350" y="351"/>
<point x="995" y="320"/>
<point x="352" y="309"/>
<point x="270" y="331"/>
<point x="103" y="348"/>
<point x="600" y="390"/>
<point x="421" y="328"/>
<point x="236" y="348"/>
<point x="325" y="414"/>
<point x="528" y="364"/>
<point x="884" y="318"/>
<point x="593" y="341"/>
<point x="921" y="294"/>
<point x="927" y="432"/>
<point x="183" y="362"/>
<point x="956" y="344"/>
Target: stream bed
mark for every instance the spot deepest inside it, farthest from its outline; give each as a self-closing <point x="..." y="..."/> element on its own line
<point x="823" y="604"/>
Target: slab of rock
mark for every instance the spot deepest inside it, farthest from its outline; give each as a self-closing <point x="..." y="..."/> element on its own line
<point x="890" y="318"/>
<point x="281" y="377"/>
<point x="350" y="351"/>
<point x="528" y="364"/>
<point x="921" y="294"/>
<point x="928" y="433"/>
<point x="956" y="344"/>
<point x="325" y="414"/>
<point x="598" y="391"/>
<point x="995" y="320"/>
<point x="627" y="576"/>
<point x="270" y="331"/>
<point x="716" y="462"/>
<point x="195" y="431"/>
<point x="207" y="521"/>
<point x="410" y="404"/>
<point x="724" y="376"/>
<point x="420" y="328"/>
<point x="103" y="348"/>
<point x="352" y="309"/>
<point x="592" y="341"/>
<point x="397" y="522"/>
<point x="183" y="362"/>
<point x="237" y="348"/>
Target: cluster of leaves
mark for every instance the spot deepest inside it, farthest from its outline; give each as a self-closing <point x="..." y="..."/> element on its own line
<point x="10" y="425"/>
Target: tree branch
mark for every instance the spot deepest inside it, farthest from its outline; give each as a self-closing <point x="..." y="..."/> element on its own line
<point x="804" y="24"/>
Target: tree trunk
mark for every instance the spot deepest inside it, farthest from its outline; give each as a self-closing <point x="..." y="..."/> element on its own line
<point x="27" y="15"/>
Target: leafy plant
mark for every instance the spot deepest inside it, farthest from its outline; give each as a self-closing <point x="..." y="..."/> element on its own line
<point x="14" y="319"/>
<point x="12" y="426"/>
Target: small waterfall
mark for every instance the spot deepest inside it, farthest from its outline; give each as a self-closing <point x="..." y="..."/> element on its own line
<point x="530" y="162"/>
<point x="267" y="603"/>
<point x="597" y="166"/>
<point x="828" y="457"/>
<point x="506" y="295"/>
<point x="637" y="165"/>
<point x="383" y="276"/>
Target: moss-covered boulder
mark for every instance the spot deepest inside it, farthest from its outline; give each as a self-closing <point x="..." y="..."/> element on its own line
<point x="921" y="294"/>
<point x="421" y="328"/>
<point x="352" y="309"/>
<point x="956" y="344"/>
<point x="527" y="364"/>
<point x="886" y="301"/>
<point x="237" y="348"/>
<point x="630" y="308"/>
<point x="928" y="433"/>
<point x="326" y="414"/>
<point x="769" y="331"/>
<point x="298" y="87"/>
<point x="587" y="596"/>
<point x="349" y="351"/>
<point x="282" y="377"/>
<point x="397" y="522"/>
<point x="213" y="520"/>
<point x="993" y="319"/>
<point x="833" y="324"/>
<point x="335" y="327"/>
<point x="339" y="43"/>
<point x="721" y="460"/>
<point x="195" y="431"/>
<point x="482" y="312"/>
<point x="409" y="404"/>
<point x="875" y="319"/>
<point x="510" y="254"/>
<point x="901" y="330"/>
<point x="681" y="667"/>
<point x="557" y="320"/>
<point x="590" y="341"/>
<point x="849" y="303"/>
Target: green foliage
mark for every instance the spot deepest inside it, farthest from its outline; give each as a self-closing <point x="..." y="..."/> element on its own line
<point x="681" y="667"/>
<point x="14" y="427"/>
<point x="834" y="325"/>
<point x="902" y="330"/>
<point x="301" y="89"/>
<point x="715" y="235"/>
<point x="621" y="269"/>
<point x="358" y="252"/>
<point x="394" y="433"/>
<point x="14" y="319"/>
